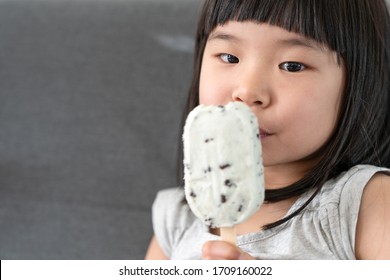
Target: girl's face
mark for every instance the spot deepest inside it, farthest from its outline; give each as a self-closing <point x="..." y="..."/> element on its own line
<point x="293" y="84"/>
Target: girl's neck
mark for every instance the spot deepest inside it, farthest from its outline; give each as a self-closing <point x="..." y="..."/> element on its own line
<point x="279" y="176"/>
<point x="268" y="213"/>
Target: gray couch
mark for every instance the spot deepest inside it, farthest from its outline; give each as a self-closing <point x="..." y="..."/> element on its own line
<point x="91" y="96"/>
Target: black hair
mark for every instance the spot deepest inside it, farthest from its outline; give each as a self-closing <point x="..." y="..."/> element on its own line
<point x="359" y="32"/>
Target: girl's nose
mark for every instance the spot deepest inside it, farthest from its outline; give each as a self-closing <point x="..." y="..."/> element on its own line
<point x="253" y="88"/>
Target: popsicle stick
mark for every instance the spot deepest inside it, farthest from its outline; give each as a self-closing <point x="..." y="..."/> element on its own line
<point x="228" y="234"/>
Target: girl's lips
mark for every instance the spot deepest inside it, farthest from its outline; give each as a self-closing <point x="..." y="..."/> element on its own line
<point x="264" y="133"/>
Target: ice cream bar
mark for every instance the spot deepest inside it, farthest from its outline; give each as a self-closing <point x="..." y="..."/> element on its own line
<point x="223" y="168"/>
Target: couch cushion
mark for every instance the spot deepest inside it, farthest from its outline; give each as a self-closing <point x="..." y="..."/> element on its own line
<point x="91" y="96"/>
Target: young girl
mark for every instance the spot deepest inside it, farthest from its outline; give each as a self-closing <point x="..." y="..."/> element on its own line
<point x="316" y="74"/>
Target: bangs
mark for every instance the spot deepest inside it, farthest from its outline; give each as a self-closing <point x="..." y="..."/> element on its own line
<point x="315" y="19"/>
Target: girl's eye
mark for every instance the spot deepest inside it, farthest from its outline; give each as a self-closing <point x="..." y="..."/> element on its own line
<point x="291" y="66"/>
<point x="228" y="58"/>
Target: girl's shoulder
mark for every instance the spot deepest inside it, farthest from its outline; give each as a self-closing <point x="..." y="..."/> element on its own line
<point x="171" y="208"/>
<point x="373" y="226"/>
<point x="347" y="188"/>
<point x="330" y="220"/>
<point x="355" y="208"/>
<point x="171" y="217"/>
<point x="172" y="195"/>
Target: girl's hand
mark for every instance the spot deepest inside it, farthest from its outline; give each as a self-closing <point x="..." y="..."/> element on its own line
<point x="221" y="250"/>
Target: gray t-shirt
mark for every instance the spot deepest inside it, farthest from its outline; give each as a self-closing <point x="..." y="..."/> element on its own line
<point x="325" y="229"/>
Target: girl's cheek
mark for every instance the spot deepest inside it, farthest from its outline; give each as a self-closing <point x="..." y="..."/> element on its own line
<point x="212" y="93"/>
<point x="212" y="98"/>
<point x="207" y="94"/>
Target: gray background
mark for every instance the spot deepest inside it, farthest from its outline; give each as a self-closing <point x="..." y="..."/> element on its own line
<point x="91" y="96"/>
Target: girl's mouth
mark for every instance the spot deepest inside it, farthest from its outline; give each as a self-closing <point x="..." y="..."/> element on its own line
<point x="264" y="133"/>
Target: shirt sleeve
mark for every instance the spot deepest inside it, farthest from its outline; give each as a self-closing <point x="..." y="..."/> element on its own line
<point x="350" y="200"/>
<point x="166" y="211"/>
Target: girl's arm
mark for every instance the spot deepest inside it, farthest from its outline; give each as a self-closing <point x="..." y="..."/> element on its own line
<point x="154" y="251"/>
<point x="373" y="227"/>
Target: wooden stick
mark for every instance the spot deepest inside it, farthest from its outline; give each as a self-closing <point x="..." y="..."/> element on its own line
<point x="228" y="234"/>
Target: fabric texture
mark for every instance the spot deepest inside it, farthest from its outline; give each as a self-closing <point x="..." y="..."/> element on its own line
<point x="325" y="229"/>
<point x="91" y="97"/>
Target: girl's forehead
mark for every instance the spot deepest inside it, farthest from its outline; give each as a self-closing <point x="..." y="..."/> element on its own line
<point x="318" y="20"/>
<point x="235" y="31"/>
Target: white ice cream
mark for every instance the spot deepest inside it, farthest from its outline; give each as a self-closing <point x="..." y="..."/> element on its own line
<point x="223" y="168"/>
